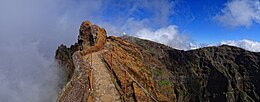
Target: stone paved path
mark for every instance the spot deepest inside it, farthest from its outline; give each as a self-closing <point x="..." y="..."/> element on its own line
<point x="104" y="89"/>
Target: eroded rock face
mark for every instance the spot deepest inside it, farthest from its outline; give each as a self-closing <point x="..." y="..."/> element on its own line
<point x="64" y="57"/>
<point x="86" y="37"/>
<point x="91" y="38"/>
<point x="91" y="35"/>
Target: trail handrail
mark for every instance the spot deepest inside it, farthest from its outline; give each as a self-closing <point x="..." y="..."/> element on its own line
<point x="146" y="92"/>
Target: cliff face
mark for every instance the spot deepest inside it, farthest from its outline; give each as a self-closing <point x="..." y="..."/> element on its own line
<point x="223" y="73"/>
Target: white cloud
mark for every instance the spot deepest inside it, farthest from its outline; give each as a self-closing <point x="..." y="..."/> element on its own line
<point x="134" y="15"/>
<point x="239" y="13"/>
<point x="171" y="36"/>
<point x="168" y="35"/>
<point x="30" y="32"/>
<point x="130" y="26"/>
<point x="26" y="75"/>
<point x="245" y="44"/>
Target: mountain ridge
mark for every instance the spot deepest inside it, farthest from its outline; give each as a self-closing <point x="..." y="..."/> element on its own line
<point x="222" y="73"/>
<point x="184" y="61"/>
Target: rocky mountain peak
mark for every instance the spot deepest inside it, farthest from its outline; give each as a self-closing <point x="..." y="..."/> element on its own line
<point x="89" y="34"/>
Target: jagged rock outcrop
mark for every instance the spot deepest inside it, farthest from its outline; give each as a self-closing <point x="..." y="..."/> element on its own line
<point x="64" y="58"/>
<point x="91" y="38"/>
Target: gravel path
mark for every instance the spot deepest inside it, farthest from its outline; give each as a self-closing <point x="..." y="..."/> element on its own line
<point x="104" y="89"/>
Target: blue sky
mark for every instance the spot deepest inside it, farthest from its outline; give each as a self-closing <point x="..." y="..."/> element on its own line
<point x="205" y="29"/>
<point x="194" y="18"/>
<point x="196" y="21"/>
<point x="172" y="22"/>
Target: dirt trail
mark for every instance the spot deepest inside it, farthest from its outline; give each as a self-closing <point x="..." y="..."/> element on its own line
<point x="104" y="89"/>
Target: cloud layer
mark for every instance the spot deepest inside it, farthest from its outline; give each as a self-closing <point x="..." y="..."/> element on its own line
<point x="169" y="36"/>
<point x="133" y="15"/>
<point x="245" y="44"/>
<point x="30" y="31"/>
<point x="238" y="13"/>
<point x="25" y="74"/>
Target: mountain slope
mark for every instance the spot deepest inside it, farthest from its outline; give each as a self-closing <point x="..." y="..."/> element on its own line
<point x="155" y="72"/>
<point x="223" y="73"/>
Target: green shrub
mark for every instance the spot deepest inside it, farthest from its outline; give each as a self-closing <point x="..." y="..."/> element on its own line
<point x="165" y="83"/>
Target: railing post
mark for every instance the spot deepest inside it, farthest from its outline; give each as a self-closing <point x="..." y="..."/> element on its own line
<point x="91" y="58"/>
<point x="125" y="86"/>
<point x="91" y="72"/>
<point x="111" y="64"/>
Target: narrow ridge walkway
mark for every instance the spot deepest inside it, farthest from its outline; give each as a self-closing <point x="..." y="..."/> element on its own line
<point x="103" y="87"/>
